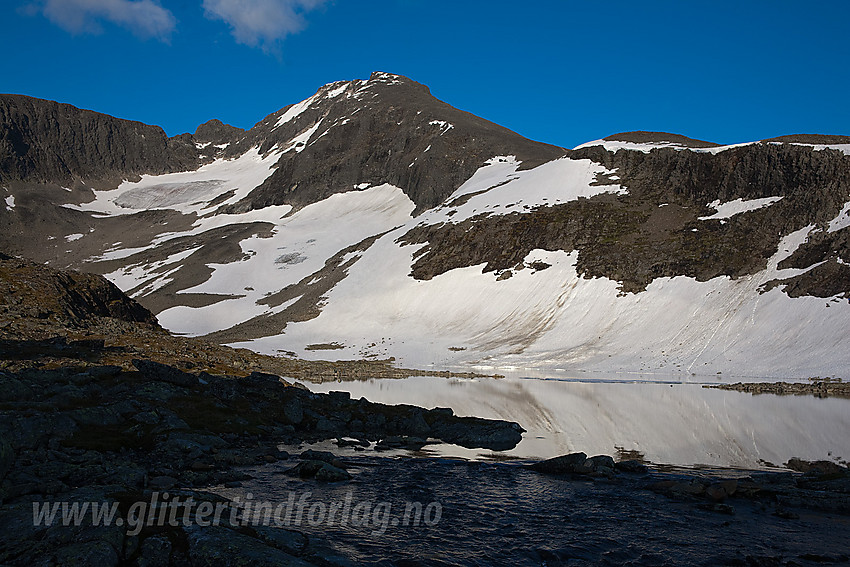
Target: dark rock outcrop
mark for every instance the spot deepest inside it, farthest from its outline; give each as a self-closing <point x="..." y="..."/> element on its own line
<point x="216" y="132"/>
<point x="50" y="142"/>
<point x="630" y="239"/>
<point x="72" y="298"/>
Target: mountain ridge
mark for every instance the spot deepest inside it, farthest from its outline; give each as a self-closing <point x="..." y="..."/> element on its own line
<point x="375" y="218"/>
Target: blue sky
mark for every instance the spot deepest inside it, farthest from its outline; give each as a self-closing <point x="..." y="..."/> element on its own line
<point x="562" y="72"/>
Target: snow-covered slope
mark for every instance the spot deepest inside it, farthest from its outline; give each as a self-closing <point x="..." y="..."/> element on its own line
<point x="372" y="220"/>
<point x="553" y="318"/>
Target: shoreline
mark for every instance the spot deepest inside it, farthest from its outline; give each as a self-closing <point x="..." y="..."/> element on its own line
<point x="817" y="387"/>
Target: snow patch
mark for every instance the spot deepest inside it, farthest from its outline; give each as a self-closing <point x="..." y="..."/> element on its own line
<point x="336" y="91"/>
<point x="132" y="276"/>
<point x="294" y="111"/>
<point x="738" y="206"/>
<point x="646" y="147"/>
<point x="614" y="145"/>
<point x="444" y="126"/>
<point x="167" y="195"/>
<point x="841" y="147"/>
<point x="10" y="202"/>
<point x="841" y="221"/>
<point x="299" y="142"/>
<point x="555" y="318"/>
<point x="500" y="182"/>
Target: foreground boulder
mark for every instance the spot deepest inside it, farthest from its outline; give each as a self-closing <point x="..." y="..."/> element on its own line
<point x="320" y="465"/>
<point x="577" y="463"/>
<point x="319" y="470"/>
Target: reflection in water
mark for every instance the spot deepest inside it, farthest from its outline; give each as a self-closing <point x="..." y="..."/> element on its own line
<point x="681" y="424"/>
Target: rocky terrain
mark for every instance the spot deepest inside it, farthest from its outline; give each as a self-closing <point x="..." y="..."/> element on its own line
<point x="629" y="239"/>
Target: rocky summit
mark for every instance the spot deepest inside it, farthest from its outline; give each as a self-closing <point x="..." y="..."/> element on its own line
<point x="372" y="219"/>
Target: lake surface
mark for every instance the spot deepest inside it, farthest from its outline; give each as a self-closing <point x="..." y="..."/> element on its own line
<point x="679" y="423"/>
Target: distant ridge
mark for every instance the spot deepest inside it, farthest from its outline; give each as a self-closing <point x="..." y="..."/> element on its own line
<point x="811" y="139"/>
<point x="644" y="137"/>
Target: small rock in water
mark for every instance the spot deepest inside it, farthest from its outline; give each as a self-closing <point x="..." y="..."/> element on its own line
<point x="320" y="470"/>
<point x="716" y="492"/>
<point x="600" y="464"/>
<point x="572" y="463"/>
<point x="631" y="466"/>
<point x="324" y="456"/>
<point x="347" y="442"/>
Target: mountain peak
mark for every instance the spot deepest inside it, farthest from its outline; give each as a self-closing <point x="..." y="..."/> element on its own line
<point x="216" y="131"/>
<point x="387" y="129"/>
<point x="382" y="76"/>
<point x="392" y="79"/>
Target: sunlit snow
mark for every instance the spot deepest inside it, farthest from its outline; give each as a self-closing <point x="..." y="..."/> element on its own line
<point x="738" y="206"/>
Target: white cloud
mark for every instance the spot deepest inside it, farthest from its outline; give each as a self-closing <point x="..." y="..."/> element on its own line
<point x="145" y="18"/>
<point x="261" y="22"/>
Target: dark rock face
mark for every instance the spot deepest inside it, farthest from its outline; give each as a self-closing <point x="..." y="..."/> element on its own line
<point x="828" y="253"/>
<point x="747" y="172"/>
<point x="217" y="132"/>
<point x="630" y="239"/>
<point x="388" y="129"/>
<point x="49" y="142"/>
